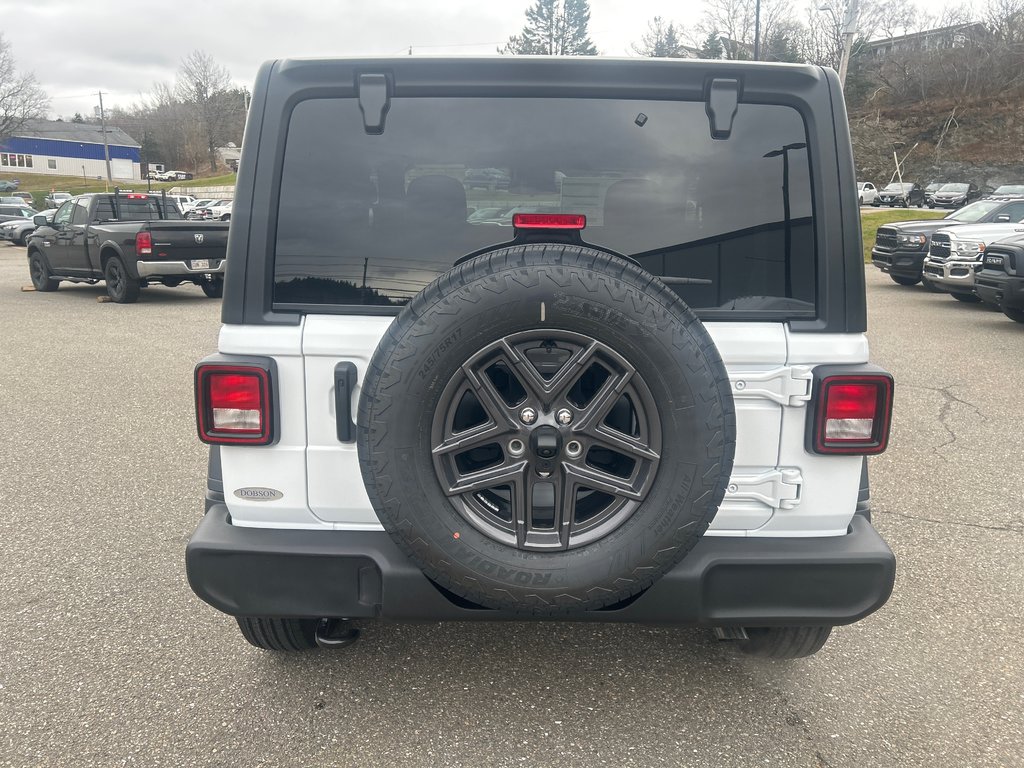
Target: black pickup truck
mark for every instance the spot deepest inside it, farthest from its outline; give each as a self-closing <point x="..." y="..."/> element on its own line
<point x="129" y="241"/>
<point x="900" y="248"/>
<point x="1001" y="279"/>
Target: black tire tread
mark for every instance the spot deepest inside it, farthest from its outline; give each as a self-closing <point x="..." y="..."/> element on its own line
<point x="268" y="634"/>
<point x="49" y="284"/>
<point x="656" y="299"/>
<point x="785" y="642"/>
<point x="1017" y="315"/>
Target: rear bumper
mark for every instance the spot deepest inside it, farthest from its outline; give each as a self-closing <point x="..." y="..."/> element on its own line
<point x="899" y="263"/>
<point x="1003" y="290"/>
<point x="352" y="574"/>
<point x="165" y="268"/>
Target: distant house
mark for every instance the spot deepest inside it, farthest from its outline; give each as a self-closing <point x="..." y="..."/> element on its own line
<point x="70" y="149"/>
<point x="954" y="36"/>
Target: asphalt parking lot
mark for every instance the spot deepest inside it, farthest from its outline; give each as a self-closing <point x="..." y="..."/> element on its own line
<point x="106" y="657"/>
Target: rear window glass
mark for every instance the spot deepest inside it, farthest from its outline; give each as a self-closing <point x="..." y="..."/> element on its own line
<point x="135" y="209"/>
<point x="370" y="219"/>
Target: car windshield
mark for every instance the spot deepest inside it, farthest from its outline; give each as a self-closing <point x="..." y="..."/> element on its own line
<point x="974" y="211"/>
<point x="1010" y="189"/>
<point x="709" y="215"/>
<point x="953" y="188"/>
<point x="934" y="187"/>
<point x="897" y="187"/>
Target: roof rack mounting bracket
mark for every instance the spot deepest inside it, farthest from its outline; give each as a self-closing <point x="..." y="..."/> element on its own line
<point x="374" y="101"/>
<point x="721" y="102"/>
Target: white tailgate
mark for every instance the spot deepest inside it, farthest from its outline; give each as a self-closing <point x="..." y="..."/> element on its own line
<point x="777" y="488"/>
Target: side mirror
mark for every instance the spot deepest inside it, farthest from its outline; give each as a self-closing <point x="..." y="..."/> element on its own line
<point x="40" y="220"/>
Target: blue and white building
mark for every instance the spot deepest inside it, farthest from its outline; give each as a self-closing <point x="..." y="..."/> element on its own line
<point x="70" y="149"/>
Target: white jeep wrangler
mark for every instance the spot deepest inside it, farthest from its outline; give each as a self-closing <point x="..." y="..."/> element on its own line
<point x="634" y="388"/>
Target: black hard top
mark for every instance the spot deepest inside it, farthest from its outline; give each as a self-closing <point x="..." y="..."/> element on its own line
<point x="814" y="91"/>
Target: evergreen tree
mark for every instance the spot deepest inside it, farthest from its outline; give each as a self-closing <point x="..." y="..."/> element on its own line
<point x="712" y="47"/>
<point x="78" y="118"/>
<point x="661" y="40"/>
<point x="554" y="28"/>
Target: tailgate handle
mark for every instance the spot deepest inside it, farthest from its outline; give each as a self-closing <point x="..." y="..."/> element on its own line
<point x="344" y="382"/>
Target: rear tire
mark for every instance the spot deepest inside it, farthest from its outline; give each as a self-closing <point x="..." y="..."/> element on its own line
<point x="1017" y="315"/>
<point x="40" y="274"/>
<point x="784" y="642"/>
<point x="279" y="634"/>
<point x="905" y="280"/>
<point x="966" y="298"/>
<point x="121" y="288"/>
<point x="213" y="288"/>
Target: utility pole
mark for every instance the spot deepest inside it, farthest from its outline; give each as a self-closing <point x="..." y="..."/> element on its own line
<point x="106" y="147"/>
<point x="849" y="29"/>
<point x="757" y="31"/>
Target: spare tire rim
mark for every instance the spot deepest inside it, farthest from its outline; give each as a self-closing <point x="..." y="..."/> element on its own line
<point x="546" y="440"/>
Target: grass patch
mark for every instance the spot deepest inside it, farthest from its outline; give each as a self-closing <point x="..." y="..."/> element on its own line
<point x="870" y="222"/>
<point x="40" y="184"/>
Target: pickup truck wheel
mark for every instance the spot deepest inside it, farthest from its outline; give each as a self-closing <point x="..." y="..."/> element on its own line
<point x="966" y="298"/>
<point x="905" y="280"/>
<point x="784" y="642"/>
<point x="280" y="634"/>
<point x="1017" y="315"/>
<point x="121" y="288"/>
<point x="546" y="429"/>
<point x="40" y="274"/>
<point x="214" y="287"/>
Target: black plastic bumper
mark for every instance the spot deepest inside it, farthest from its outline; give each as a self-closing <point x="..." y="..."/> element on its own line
<point x="723" y="581"/>
<point x="1002" y="290"/>
<point x="899" y="263"/>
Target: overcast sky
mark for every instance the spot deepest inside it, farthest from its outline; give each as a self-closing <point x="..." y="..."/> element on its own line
<point x="76" y="47"/>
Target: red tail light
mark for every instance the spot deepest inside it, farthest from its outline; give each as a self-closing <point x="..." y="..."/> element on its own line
<point x="549" y="221"/>
<point x="143" y="244"/>
<point x="233" y="405"/>
<point x="853" y="414"/>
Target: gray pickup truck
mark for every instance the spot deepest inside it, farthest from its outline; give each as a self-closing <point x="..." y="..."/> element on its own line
<point x="129" y="241"/>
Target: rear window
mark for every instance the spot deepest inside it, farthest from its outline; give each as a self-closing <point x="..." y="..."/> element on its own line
<point x="135" y="209"/>
<point x="368" y="220"/>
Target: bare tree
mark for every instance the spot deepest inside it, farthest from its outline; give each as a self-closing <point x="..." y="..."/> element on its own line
<point x="21" y="98"/>
<point x="735" y="22"/>
<point x="203" y="86"/>
<point x="660" y="40"/>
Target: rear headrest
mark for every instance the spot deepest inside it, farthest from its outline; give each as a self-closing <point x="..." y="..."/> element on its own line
<point x="439" y="198"/>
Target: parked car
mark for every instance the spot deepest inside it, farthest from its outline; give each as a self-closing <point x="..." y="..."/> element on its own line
<point x="954" y="195"/>
<point x="487" y="178"/>
<point x="903" y="195"/>
<point x="866" y="192"/>
<point x="17" y="230"/>
<point x="9" y="185"/>
<point x="221" y="211"/>
<point x="184" y="202"/>
<point x="26" y="197"/>
<point x="955" y="255"/>
<point x="1008" y="190"/>
<point x="201" y="212"/>
<point x="900" y="247"/>
<point x="17" y="212"/>
<point x="13" y="200"/>
<point x="56" y="199"/>
<point x="1000" y="282"/>
<point x="128" y="241"/>
<point x="415" y="418"/>
<point x="930" y="190"/>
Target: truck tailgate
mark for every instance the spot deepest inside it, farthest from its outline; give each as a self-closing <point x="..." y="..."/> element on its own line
<point x="187" y="240"/>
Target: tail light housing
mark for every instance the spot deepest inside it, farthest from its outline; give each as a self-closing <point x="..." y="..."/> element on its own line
<point x="144" y="244"/>
<point x="234" y="404"/>
<point x="852" y="413"/>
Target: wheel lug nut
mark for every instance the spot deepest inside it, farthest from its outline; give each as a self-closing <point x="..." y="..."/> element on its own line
<point x="528" y="415"/>
<point x="573" y="449"/>
<point x="564" y="416"/>
<point x="516" y="447"/>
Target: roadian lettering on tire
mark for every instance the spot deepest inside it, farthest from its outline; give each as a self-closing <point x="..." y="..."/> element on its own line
<point x="546" y="466"/>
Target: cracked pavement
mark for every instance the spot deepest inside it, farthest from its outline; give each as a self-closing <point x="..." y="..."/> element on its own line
<point x="108" y="659"/>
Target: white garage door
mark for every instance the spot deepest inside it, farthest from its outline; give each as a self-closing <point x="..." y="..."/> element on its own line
<point x="121" y="169"/>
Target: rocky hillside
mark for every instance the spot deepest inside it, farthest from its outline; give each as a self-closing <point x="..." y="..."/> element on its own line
<point x="978" y="142"/>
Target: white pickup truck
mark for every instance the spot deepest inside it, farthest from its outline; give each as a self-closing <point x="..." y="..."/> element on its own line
<point x="957" y="253"/>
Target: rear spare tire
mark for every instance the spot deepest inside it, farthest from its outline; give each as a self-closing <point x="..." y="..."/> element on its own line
<point x="546" y="429"/>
